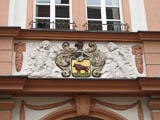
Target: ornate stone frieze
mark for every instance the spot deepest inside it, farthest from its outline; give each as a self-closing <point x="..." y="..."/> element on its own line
<point x="19" y="48"/>
<point x="49" y="59"/>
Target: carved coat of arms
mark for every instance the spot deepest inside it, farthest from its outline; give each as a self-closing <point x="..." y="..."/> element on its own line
<point x="80" y="62"/>
<point x="47" y="60"/>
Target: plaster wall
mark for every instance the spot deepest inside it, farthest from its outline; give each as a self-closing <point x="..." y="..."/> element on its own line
<point x="30" y="10"/>
<point x="79" y="13"/>
<point x="152" y="57"/>
<point x="11" y="13"/>
<point x="5" y="115"/>
<point x="4" y="11"/>
<point x="35" y="114"/>
<point x="126" y="13"/>
<point x="6" y="50"/>
<point x="152" y="14"/>
<point x="18" y="13"/>
<point x="138" y="15"/>
<point x="155" y="115"/>
<point x="130" y="114"/>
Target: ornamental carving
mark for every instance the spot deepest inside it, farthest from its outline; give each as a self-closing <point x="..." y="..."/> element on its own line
<point x="19" y="48"/>
<point x="81" y="60"/>
<point x="137" y="51"/>
<point x="49" y="59"/>
<point x="41" y="61"/>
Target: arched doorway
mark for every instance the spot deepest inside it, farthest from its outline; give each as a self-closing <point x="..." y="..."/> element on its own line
<point x="83" y="118"/>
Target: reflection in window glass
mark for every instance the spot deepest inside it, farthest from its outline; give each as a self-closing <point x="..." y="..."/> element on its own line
<point x="42" y="1"/>
<point x="93" y="2"/>
<point x="112" y="13"/>
<point x="112" y="2"/>
<point x="94" y="12"/>
<point x="40" y="23"/>
<point x="62" y="1"/>
<point x="62" y="11"/>
<point x="62" y="24"/>
<point x="94" y="25"/>
<point x="113" y="26"/>
<point x="43" y="11"/>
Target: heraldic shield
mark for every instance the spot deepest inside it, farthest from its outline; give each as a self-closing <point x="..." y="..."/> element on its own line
<point x="80" y="62"/>
<point x="81" y="68"/>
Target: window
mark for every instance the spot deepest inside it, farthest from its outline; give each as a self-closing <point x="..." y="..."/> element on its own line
<point x="104" y="14"/>
<point x="54" y="14"/>
<point x="94" y="15"/>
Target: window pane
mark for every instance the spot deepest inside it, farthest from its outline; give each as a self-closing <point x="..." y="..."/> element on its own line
<point x="43" y="11"/>
<point x="112" y="2"/>
<point x="94" y="25"/>
<point x="113" y="26"/>
<point x="62" y="11"/>
<point x="62" y="24"/>
<point x="43" y="1"/>
<point x="94" y="12"/>
<point x="62" y="1"/>
<point x="93" y="2"/>
<point x="40" y="23"/>
<point x="112" y="13"/>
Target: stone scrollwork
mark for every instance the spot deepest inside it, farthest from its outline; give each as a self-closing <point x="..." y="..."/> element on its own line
<point x="63" y="59"/>
<point x="92" y="53"/>
<point x="97" y="59"/>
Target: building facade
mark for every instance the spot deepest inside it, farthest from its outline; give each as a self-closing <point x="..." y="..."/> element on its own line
<point x="79" y="60"/>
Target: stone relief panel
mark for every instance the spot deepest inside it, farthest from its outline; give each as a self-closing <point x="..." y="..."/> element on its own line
<point x="41" y="61"/>
<point x="53" y="59"/>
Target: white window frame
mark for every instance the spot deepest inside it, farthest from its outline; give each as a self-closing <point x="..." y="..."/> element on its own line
<point x="103" y="13"/>
<point x="52" y="17"/>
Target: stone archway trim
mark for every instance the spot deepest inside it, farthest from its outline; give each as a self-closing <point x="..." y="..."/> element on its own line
<point x="82" y="105"/>
<point x="95" y="112"/>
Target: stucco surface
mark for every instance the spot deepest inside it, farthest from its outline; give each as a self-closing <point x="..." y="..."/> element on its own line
<point x="4" y="8"/>
<point x="152" y="14"/>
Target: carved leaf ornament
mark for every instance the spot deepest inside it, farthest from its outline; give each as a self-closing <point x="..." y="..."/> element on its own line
<point x="137" y="51"/>
<point x="19" y="48"/>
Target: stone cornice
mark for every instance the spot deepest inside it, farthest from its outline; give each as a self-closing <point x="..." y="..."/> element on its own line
<point x="23" y="86"/>
<point x="31" y="34"/>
